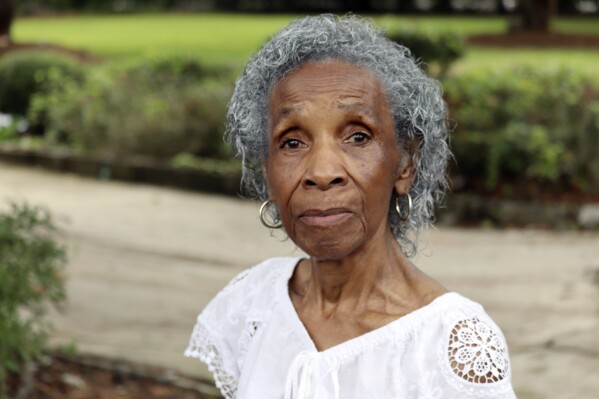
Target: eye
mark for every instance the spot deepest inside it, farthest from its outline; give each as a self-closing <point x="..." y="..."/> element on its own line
<point x="291" y="144"/>
<point x="359" y="138"/>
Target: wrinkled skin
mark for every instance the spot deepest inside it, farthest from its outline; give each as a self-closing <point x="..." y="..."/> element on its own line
<point x="333" y="165"/>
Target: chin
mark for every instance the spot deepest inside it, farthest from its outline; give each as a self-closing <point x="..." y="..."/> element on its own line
<point x="328" y="249"/>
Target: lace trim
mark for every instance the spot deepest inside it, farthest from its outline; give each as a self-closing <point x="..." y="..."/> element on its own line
<point x="203" y="346"/>
<point x="477" y="355"/>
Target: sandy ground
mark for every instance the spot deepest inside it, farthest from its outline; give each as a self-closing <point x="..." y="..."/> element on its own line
<point x="145" y="260"/>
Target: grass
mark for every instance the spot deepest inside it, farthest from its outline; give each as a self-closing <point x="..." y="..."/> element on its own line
<point x="231" y="38"/>
<point x="589" y="26"/>
<point x="211" y="37"/>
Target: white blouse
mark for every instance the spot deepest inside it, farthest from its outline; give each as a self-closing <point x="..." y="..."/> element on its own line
<point x="253" y="341"/>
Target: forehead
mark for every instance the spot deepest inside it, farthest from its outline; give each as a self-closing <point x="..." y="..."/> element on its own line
<point x="337" y="82"/>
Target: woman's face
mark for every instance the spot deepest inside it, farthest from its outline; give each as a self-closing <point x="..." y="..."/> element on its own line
<point x="333" y="160"/>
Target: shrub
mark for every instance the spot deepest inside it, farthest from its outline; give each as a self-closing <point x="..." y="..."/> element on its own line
<point x="22" y="74"/>
<point x="220" y="166"/>
<point x="11" y="127"/>
<point x="434" y="48"/>
<point x="167" y="69"/>
<point x="31" y="266"/>
<point x="156" y="108"/>
<point x="527" y="124"/>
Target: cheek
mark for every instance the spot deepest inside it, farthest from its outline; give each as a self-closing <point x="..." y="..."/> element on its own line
<point x="376" y="170"/>
<point x="280" y="180"/>
<point x="376" y="176"/>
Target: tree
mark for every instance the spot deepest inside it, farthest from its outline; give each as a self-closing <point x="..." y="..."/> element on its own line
<point x="535" y="15"/>
<point x="7" y="10"/>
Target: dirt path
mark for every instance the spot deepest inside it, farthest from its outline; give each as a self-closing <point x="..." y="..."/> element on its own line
<point x="145" y="260"/>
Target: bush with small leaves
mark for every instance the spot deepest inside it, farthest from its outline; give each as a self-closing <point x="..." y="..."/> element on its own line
<point x="31" y="280"/>
<point x="436" y="50"/>
<point x="22" y="74"/>
<point x="156" y="108"/>
<point x="526" y="124"/>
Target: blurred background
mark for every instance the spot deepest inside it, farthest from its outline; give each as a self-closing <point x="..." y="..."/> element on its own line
<point x="120" y="214"/>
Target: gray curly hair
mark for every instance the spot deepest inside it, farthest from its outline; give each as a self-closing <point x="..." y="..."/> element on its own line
<point x="415" y="102"/>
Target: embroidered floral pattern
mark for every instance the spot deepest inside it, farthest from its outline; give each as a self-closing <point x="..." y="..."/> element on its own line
<point x="427" y="386"/>
<point x="251" y="328"/>
<point x="476" y="353"/>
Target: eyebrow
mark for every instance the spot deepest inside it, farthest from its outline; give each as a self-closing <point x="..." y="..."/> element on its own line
<point x="287" y="111"/>
<point x="353" y="104"/>
<point x="290" y="110"/>
<point x="360" y="108"/>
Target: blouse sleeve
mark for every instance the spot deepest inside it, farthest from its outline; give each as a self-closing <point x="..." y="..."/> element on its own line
<point x="215" y="336"/>
<point x="474" y="358"/>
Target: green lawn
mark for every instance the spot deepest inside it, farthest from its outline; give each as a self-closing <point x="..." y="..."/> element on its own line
<point x="212" y="37"/>
<point x="217" y="38"/>
<point x="577" y="25"/>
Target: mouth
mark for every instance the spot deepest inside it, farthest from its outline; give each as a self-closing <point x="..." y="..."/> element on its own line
<point x="327" y="217"/>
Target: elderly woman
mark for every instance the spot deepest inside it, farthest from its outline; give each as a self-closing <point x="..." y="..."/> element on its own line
<point x="344" y="139"/>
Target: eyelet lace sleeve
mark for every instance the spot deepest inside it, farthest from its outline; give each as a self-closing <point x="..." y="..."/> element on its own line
<point x="477" y="359"/>
<point x="206" y="347"/>
<point x="214" y="336"/>
<point x="476" y="352"/>
<point x="225" y="329"/>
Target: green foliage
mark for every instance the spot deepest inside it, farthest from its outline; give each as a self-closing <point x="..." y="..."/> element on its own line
<point x="9" y="132"/>
<point x="22" y="74"/>
<point x="190" y="161"/>
<point x="31" y="279"/>
<point x="11" y="127"/>
<point x="167" y="69"/>
<point x="41" y="6"/>
<point x="152" y="107"/>
<point x="220" y="37"/>
<point x="37" y="6"/>
<point x="526" y="123"/>
<point x="433" y="48"/>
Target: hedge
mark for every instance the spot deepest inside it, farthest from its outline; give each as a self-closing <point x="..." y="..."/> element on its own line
<point x="537" y="125"/>
<point x="31" y="281"/>
<point x="512" y="127"/>
<point x="434" y="49"/>
<point x="22" y="74"/>
<point x="153" y="107"/>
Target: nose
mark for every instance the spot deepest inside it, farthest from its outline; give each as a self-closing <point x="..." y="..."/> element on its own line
<point x="325" y="168"/>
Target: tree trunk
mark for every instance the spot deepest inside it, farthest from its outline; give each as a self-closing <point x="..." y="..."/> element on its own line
<point x="535" y="15"/>
<point x="7" y="10"/>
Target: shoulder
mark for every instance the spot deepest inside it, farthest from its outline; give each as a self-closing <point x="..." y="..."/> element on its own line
<point x="224" y="328"/>
<point x="247" y="294"/>
<point x="471" y="350"/>
<point x="262" y="273"/>
<point x="474" y="355"/>
<point x="253" y="288"/>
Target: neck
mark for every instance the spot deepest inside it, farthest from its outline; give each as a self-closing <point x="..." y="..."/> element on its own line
<point x="376" y="269"/>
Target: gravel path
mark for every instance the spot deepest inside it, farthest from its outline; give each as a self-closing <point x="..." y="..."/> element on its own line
<point x="145" y="260"/>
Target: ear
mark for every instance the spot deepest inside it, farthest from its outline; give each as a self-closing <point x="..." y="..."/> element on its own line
<point x="406" y="171"/>
<point x="405" y="178"/>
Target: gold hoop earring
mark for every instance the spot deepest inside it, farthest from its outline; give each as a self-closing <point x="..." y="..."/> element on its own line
<point x="402" y="217"/>
<point x="265" y="204"/>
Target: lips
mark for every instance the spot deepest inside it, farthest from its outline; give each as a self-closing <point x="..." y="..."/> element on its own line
<point x="326" y="217"/>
